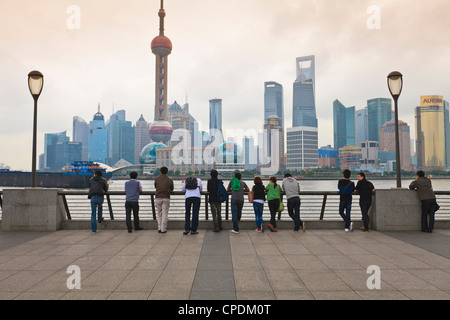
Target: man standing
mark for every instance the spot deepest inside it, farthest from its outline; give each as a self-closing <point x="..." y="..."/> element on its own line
<point x="365" y="189"/>
<point x="192" y="187"/>
<point x="98" y="186"/>
<point x="291" y="188"/>
<point x="426" y="195"/>
<point x="216" y="206"/>
<point x="132" y="189"/>
<point x="164" y="187"/>
<point x="346" y="189"/>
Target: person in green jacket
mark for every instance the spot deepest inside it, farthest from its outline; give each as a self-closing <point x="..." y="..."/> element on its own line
<point x="274" y="199"/>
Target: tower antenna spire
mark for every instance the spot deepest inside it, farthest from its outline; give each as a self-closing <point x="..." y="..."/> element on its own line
<point x="161" y="14"/>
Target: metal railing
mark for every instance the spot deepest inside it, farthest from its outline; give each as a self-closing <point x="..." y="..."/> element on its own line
<point x="315" y="205"/>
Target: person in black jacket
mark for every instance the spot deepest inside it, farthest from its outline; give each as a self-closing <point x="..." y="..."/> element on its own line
<point x="346" y="189"/>
<point x="259" y="196"/>
<point x="216" y="206"/>
<point x="98" y="187"/>
<point x="365" y="189"/>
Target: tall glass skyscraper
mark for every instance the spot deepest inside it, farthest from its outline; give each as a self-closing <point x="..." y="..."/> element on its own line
<point x="51" y="140"/>
<point x="379" y="111"/>
<point x="304" y="94"/>
<point x="273" y="101"/>
<point x="431" y="133"/>
<point x="98" y="139"/>
<point x="120" y="138"/>
<point x="215" y="114"/>
<point x="344" y="125"/>
<point x="361" y="126"/>
<point x="80" y="134"/>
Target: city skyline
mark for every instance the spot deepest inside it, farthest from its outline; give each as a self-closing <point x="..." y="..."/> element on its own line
<point x="85" y="66"/>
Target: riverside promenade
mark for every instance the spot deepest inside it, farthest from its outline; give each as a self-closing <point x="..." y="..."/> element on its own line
<point x="146" y="265"/>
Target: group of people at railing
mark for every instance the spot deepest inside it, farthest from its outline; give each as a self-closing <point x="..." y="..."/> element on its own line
<point x="273" y="193"/>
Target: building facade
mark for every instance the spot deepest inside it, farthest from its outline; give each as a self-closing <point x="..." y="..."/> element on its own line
<point x="350" y="157"/>
<point x="273" y="101"/>
<point x="121" y="139"/>
<point x="361" y="126"/>
<point x="50" y="153"/>
<point x="369" y="155"/>
<point x="302" y="148"/>
<point x="431" y="132"/>
<point x="141" y="137"/>
<point x="80" y="134"/>
<point x="304" y="94"/>
<point x="379" y="111"/>
<point x="67" y="153"/>
<point x="98" y="139"/>
<point x="343" y="125"/>
<point x="215" y="115"/>
<point x="387" y="141"/>
<point x="273" y="123"/>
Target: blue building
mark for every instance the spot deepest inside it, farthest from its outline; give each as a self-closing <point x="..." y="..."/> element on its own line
<point x="98" y="139"/>
<point x="51" y="140"/>
<point x="304" y="94"/>
<point x="215" y="114"/>
<point x="379" y="111"/>
<point x="121" y="138"/>
<point x="273" y="101"/>
<point x="361" y="126"/>
<point x="344" y="125"/>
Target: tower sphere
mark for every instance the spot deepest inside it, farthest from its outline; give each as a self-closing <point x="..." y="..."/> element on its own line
<point x="161" y="46"/>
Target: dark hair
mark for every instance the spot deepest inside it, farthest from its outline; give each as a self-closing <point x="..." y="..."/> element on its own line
<point x="238" y="175"/>
<point x="98" y="173"/>
<point x="347" y="173"/>
<point x="133" y="175"/>
<point x="362" y="174"/>
<point x="287" y="175"/>
<point x="274" y="181"/>
<point x="164" y="170"/>
<point x="420" y="173"/>
<point x="257" y="180"/>
<point x="214" y="174"/>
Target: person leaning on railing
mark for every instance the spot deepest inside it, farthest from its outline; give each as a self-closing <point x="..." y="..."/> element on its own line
<point x="164" y="187"/>
<point x="428" y="199"/>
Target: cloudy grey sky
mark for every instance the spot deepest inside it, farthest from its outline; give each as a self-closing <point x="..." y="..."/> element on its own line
<point x="221" y="49"/>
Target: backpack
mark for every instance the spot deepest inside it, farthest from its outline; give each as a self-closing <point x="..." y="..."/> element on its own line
<point x="191" y="183"/>
<point x="236" y="184"/>
<point x="222" y="193"/>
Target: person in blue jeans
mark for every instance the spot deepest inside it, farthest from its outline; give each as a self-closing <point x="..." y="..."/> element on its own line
<point x="237" y="187"/>
<point x="192" y="187"/>
<point x="98" y="186"/>
<point x="259" y="196"/>
<point x="346" y="189"/>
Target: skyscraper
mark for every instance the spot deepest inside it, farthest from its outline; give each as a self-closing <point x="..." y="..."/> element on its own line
<point x="379" y="111"/>
<point x="215" y="115"/>
<point x="50" y="153"/>
<point x="361" y="126"/>
<point x="67" y="152"/>
<point x="80" y="134"/>
<point x="344" y="125"/>
<point x="98" y="139"/>
<point x="431" y="133"/>
<point x="141" y="137"/>
<point x="387" y="141"/>
<point x="273" y="101"/>
<point x="160" y="129"/>
<point x="120" y="138"/>
<point x="304" y="95"/>
<point x="274" y="123"/>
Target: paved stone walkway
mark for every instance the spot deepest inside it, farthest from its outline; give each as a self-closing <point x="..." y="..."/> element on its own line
<point x="317" y="264"/>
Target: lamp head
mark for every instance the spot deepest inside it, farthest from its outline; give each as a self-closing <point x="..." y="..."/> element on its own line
<point x="395" y="84"/>
<point x="35" y="83"/>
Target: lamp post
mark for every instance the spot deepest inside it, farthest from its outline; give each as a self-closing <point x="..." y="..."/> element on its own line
<point x="395" y="85"/>
<point x="35" y="84"/>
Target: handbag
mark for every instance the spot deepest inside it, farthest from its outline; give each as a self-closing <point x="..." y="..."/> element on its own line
<point x="281" y="207"/>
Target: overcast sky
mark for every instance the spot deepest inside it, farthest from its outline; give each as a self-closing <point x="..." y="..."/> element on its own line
<point x="221" y="49"/>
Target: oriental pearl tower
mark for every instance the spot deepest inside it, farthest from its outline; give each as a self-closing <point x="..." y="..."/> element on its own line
<point x="160" y="129"/>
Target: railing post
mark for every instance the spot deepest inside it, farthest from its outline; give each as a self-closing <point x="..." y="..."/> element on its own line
<point x="66" y="207"/>
<point x="206" y="206"/>
<point x="153" y="206"/>
<point x="227" y="208"/>
<point x="324" y="202"/>
<point x="111" y="214"/>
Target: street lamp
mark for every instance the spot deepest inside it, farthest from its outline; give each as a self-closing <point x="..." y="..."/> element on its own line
<point x="35" y="84"/>
<point x="395" y="85"/>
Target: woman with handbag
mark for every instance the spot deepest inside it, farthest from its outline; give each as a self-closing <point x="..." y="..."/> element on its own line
<point x="257" y="197"/>
<point x="274" y="199"/>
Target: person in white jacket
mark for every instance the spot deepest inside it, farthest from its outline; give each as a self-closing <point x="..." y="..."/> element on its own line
<point x="291" y="188"/>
